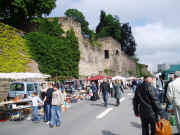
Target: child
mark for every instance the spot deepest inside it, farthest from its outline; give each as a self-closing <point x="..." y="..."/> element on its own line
<point x="35" y="101"/>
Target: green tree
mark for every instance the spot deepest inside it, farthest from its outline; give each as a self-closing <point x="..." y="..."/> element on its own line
<point x="50" y="26"/>
<point x="79" y="17"/>
<point x="110" y="26"/>
<point x="128" y="43"/>
<point x="56" y="55"/>
<point x="20" y="12"/>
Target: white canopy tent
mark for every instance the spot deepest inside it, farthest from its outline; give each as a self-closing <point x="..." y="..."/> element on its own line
<point x="119" y="78"/>
<point x="18" y="76"/>
<point x="131" y="78"/>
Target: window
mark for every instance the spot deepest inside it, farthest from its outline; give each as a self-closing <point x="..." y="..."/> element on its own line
<point x="30" y="87"/>
<point x="17" y="87"/>
<point x="106" y="54"/>
<point x="117" y="52"/>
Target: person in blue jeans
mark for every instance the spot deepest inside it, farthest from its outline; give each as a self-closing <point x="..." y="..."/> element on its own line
<point x="35" y="101"/>
<point x="105" y="88"/>
<point x="56" y="111"/>
<point x="47" y="103"/>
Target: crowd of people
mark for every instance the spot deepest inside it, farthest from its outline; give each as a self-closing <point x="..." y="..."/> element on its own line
<point x="150" y="95"/>
<point x="107" y="88"/>
<point x="52" y="100"/>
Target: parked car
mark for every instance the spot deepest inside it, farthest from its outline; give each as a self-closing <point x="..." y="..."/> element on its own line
<point x="23" y="89"/>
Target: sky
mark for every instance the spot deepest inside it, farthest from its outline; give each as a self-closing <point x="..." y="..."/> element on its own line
<point x="155" y="24"/>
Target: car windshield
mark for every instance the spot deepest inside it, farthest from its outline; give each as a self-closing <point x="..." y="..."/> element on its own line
<point x="17" y="87"/>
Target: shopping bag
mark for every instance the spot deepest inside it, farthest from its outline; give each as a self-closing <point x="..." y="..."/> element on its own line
<point x="163" y="127"/>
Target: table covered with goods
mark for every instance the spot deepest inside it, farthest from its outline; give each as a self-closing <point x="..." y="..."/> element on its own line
<point x="15" y="109"/>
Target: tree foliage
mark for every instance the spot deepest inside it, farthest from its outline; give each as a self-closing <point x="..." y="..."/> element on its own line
<point x="55" y="54"/>
<point x="14" y="53"/>
<point x="79" y="17"/>
<point x="20" y="12"/>
<point x="110" y="26"/>
<point x="50" y="26"/>
<point x="128" y="43"/>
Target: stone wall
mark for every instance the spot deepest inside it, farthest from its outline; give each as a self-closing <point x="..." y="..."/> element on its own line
<point x="4" y="86"/>
<point x="92" y="59"/>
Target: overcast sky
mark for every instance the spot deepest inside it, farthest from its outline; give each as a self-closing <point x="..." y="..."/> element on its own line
<point x="155" y="24"/>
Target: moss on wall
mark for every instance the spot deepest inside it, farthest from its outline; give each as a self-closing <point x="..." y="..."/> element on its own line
<point x="14" y="53"/>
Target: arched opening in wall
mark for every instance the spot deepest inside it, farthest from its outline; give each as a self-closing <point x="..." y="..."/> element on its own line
<point x="106" y="54"/>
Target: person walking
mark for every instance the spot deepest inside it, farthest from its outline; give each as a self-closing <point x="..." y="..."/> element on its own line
<point x="47" y="103"/>
<point x="94" y="90"/>
<point x="173" y="96"/>
<point x="105" y="88"/>
<point x="112" y="88"/>
<point x="118" y="91"/>
<point x="146" y="105"/>
<point x="56" y="108"/>
<point x="134" y="84"/>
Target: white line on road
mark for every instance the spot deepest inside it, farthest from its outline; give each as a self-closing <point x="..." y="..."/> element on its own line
<point x="123" y="98"/>
<point x="130" y="94"/>
<point x="100" y="116"/>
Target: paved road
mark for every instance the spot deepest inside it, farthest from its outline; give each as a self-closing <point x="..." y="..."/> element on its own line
<point x="85" y="118"/>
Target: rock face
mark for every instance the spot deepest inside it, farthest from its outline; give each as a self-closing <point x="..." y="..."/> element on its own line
<point x="107" y="59"/>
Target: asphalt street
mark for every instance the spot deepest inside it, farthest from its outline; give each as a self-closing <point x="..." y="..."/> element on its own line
<point x="84" y="118"/>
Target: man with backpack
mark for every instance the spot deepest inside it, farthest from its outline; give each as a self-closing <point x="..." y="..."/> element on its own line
<point x="147" y="106"/>
<point x="105" y="89"/>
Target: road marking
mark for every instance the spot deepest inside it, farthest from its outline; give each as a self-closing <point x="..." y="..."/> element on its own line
<point x="100" y="116"/>
<point x="123" y="98"/>
<point x="130" y="94"/>
<point x="103" y="114"/>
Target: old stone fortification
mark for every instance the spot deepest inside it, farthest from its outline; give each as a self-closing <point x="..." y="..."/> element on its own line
<point x="93" y="60"/>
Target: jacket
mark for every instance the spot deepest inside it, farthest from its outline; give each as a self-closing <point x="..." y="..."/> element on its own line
<point x="105" y="87"/>
<point x="118" y="90"/>
<point x="173" y="92"/>
<point x="145" y="101"/>
<point x="57" y="98"/>
<point x="94" y="88"/>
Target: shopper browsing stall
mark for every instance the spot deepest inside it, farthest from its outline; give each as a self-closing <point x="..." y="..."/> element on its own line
<point x="36" y="101"/>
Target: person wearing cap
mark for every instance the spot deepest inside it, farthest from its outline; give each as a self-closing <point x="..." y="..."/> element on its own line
<point x="173" y="95"/>
<point x="147" y="106"/>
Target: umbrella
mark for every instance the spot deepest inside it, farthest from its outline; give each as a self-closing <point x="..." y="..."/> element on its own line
<point x="97" y="77"/>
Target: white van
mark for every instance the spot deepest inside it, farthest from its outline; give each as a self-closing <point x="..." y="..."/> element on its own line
<point x="23" y="89"/>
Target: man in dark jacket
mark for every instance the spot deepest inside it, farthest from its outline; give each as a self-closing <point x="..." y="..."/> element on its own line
<point x="105" y="88"/>
<point x="147" y="105"/>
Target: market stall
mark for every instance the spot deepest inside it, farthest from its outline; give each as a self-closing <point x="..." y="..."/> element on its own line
<point x="15" y="108"/>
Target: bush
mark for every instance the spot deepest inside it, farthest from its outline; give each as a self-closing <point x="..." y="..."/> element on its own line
<point x="57" y="56"/>
<point x="14" y="53"/>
